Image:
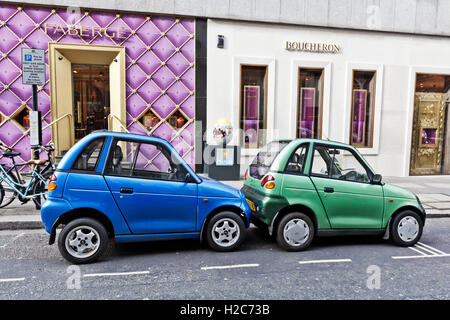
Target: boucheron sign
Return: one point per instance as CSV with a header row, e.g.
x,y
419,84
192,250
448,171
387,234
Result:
x,y
312,47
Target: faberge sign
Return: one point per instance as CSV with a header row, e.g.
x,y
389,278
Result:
x,y
86,31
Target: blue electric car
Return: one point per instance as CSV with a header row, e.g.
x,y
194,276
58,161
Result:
x,y
130,188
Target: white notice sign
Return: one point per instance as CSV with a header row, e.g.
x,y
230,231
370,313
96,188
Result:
x,y
33,66
34,128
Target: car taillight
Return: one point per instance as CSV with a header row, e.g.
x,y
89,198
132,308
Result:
x,y
52,183
245,174
268,182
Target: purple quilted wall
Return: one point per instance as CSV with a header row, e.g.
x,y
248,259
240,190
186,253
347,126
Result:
x,y
159,69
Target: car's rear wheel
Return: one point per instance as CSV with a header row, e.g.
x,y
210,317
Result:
x,y
225,231
295,232
406,228
83,240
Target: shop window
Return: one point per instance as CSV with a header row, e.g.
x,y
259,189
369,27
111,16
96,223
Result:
x,y
149,120
177,120
431,129
310,100
253,105
23,118
363,104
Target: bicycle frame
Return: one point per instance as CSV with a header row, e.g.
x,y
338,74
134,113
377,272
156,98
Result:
x,y
35,174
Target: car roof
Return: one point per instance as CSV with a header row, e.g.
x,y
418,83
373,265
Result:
x,y
124,135
68,159
323,141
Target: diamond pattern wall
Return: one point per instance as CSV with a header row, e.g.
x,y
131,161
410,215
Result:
x,y
159,69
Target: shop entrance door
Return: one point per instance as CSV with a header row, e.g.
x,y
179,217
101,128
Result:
x,y
90,98
87,91
429,149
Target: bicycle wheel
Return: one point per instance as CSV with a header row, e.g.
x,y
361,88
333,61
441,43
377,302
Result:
x,y
7,194
41,187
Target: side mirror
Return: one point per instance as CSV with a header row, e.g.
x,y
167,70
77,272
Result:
x,y
376,179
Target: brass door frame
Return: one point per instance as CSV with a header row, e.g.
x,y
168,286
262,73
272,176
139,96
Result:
x,y
61,58
420,122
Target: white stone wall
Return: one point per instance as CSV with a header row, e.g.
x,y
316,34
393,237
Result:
x,y
396,57
410,16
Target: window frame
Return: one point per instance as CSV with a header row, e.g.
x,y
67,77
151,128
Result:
x,y
133,164
372,102
94,171
321,103
241,112
357,156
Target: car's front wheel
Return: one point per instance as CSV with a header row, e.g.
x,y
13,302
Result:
x,y
225,231
83,240
295,232
406,228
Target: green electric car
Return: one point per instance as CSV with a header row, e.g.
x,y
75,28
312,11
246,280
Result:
x,y
302,188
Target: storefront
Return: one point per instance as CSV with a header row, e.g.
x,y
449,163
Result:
x,y
105,70
385,93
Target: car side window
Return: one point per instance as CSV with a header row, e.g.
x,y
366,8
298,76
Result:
x,y
144,160
347,167
320,162
338,163
88,158
296,161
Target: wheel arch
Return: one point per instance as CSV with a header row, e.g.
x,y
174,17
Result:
x,y
217,210
411,208
82,213
289,209
421,214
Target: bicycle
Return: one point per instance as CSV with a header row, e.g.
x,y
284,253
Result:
x,y
15,184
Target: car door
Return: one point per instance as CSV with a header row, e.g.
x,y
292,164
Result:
x,y
150,189
343,183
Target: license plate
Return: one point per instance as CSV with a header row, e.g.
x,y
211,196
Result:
x,y
251,204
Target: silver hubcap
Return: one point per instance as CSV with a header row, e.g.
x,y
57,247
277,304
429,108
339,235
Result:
x,y
296,232
225,232
408,228
82,242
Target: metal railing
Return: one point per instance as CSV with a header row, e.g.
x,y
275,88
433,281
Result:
x,y
59,119
114,117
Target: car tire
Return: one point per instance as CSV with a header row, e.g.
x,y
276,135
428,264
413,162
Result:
x,y
84,234
303,232
406,228
225,231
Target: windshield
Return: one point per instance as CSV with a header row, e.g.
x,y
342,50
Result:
x,y
264,159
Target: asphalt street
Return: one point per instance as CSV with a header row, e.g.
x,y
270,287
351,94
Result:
x,y
333,268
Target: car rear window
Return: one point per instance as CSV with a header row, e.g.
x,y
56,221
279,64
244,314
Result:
x,y
264,159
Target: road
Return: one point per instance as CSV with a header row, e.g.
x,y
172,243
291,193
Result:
x,y
333,268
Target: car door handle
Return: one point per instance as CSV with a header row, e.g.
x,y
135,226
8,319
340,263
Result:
x,y
126,190
328,190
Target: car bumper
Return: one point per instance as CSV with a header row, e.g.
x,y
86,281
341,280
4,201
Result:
x,y
421,208
266,206
51,210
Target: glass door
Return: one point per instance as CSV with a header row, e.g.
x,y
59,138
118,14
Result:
x,y
91,101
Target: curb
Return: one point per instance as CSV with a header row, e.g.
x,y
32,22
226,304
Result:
x,y
36,223
21,222
21,225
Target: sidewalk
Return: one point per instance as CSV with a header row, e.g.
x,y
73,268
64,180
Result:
x,y
433,191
